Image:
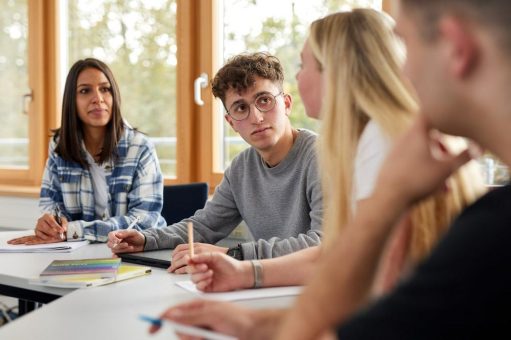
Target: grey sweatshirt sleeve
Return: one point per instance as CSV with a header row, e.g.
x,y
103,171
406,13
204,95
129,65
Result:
x,y
211,224
275,247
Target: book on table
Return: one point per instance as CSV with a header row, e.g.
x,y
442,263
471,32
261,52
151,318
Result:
x,y
87,273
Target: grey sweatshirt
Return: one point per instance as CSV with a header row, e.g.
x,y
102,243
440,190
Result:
x,y
282,206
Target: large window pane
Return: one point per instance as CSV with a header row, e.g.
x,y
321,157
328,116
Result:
x,y
137,39
14,84
279,27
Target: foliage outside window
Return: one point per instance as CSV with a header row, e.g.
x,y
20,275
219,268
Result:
x,y
250,26
14,84
137,39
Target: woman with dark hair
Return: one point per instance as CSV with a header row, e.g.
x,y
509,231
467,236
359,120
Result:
x,y
101,174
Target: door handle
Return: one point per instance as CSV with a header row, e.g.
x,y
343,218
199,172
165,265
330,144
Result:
x,y
25,100
200,83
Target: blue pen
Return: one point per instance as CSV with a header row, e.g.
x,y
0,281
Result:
x,y
154,321
190,330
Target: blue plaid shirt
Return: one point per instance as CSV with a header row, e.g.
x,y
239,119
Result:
x,y
135,189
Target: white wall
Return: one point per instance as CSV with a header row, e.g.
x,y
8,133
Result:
x,y
18,213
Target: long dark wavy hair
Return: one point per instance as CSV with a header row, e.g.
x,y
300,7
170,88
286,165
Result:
x,y
69,136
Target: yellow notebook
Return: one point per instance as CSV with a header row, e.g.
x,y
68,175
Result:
x,y
125,271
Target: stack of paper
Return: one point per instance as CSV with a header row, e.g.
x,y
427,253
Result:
x,y
243,294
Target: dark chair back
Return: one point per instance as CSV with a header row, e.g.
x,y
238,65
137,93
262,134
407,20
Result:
x,y
182,200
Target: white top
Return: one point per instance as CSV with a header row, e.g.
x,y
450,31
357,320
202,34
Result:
x,y
372,149
100,187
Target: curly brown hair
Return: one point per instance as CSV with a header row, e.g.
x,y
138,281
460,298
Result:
x,y
239,72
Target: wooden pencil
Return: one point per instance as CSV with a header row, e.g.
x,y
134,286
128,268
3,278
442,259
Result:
x,y
190,239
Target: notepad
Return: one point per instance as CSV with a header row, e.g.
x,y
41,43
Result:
x,y
243,294
59,247
124,272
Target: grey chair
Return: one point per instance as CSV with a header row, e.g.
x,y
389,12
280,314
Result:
x,y
182,200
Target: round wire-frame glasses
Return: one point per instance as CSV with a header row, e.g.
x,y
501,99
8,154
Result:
x,y
263,102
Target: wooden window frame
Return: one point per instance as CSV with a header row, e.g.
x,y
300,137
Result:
x,y
43,77
196,149
208,62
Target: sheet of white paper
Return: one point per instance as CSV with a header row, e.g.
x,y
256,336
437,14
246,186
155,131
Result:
x,y
60,247
243,294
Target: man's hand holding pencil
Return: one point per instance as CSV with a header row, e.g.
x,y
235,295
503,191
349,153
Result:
x,y
184,252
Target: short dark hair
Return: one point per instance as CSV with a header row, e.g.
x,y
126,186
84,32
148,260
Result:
x,y
239,72
494,14
69,136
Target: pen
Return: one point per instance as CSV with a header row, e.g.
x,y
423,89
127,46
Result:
x,y
189,330
131,225
57,215
190,239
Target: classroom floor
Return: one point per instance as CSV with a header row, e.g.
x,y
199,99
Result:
x,y
7,304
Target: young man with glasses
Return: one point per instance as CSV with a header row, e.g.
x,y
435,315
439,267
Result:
x,y
273,186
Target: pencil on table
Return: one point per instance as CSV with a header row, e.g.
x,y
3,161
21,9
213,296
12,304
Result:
x,y
190,239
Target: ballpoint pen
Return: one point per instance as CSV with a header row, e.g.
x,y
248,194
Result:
x,y
133,223
58,219
189,330
130,226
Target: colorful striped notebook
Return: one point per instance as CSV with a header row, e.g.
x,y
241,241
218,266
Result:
x,y
87,268
125,272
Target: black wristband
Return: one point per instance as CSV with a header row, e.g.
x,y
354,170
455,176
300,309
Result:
x,y
236,252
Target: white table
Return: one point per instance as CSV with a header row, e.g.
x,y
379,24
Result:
x,y
105,312
17,268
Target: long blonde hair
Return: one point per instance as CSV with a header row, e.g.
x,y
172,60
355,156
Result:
x,y
361,60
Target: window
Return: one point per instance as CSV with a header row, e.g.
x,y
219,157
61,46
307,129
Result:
x,y
26,92
249,26
156,49
137,39
14,86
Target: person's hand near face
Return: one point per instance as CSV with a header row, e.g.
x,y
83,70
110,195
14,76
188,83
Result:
x,y
419,153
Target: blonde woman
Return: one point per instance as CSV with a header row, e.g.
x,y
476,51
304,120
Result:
x,y
350,77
